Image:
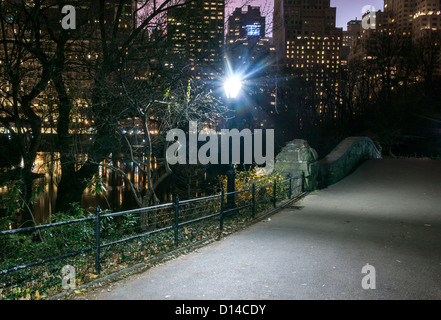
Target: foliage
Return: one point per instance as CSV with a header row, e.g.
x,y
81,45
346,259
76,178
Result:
x,y
247,177
14,203
96,185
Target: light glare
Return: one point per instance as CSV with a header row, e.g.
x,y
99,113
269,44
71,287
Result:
x,y
232,87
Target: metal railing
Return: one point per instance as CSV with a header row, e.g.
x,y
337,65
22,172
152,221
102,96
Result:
x,y
113,240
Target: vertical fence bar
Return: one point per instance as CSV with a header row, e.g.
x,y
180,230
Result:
x,y
274,193
303,182
97,239
253,193
176,225
221,220
290,187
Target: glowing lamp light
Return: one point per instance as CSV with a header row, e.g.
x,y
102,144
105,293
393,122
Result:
x,y
232,87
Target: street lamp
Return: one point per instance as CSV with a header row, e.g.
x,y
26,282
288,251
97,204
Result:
x,y
232,86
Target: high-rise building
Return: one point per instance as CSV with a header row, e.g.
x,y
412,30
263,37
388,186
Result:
x,y
205,36
426,20
244,24
352,32
80,54
400,13
402,21
177,30
365,42
426,35
196,31
308,44
246,42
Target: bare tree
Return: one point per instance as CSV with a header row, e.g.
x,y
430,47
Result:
x,y
132,78
27,65
110,30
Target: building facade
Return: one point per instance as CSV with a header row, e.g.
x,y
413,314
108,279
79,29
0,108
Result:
x,y
403,22
308,45
246,42
426,20
196,32
205,38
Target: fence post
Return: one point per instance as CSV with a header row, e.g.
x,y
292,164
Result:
x,y
274,193
176,220
303,181
254,200
290,187
97,239
221,220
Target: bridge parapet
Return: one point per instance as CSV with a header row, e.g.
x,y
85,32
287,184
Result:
x,y
345,156
298,157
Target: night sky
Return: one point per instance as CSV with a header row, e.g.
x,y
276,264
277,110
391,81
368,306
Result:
x,y
351,9
346,9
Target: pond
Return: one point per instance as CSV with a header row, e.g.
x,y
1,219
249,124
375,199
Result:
x,y
116,194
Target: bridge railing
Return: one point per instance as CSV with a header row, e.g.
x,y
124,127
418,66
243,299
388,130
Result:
x,y
32,258
344,157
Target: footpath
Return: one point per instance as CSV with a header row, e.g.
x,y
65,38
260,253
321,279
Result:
x,y
387,214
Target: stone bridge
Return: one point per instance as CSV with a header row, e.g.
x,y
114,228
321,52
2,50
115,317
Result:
x,y
297,157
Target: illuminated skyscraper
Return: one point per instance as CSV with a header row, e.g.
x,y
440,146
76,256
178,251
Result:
x,y
246,42
401,14
205,36
308,44
426,19
401,21
244,24
196,32
177,30
352,32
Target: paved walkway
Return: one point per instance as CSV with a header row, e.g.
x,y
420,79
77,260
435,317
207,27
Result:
x,y
387,213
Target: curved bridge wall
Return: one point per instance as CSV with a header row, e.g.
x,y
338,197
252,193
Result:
x,y
347,155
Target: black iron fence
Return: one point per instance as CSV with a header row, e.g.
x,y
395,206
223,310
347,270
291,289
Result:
x,y
31,258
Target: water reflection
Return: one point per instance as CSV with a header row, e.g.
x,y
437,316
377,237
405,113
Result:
x,y
116,193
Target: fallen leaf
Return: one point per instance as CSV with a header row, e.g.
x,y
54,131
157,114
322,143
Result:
x,y
92,276
37,295
77,291
185,230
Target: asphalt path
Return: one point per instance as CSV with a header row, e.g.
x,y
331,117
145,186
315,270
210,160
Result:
x,y
387,214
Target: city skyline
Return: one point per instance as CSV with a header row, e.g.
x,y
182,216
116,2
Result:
x,y
346,9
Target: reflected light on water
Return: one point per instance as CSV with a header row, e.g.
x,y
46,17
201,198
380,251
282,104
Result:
x,y
116,193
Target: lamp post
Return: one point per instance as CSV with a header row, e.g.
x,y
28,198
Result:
x,y
232,86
